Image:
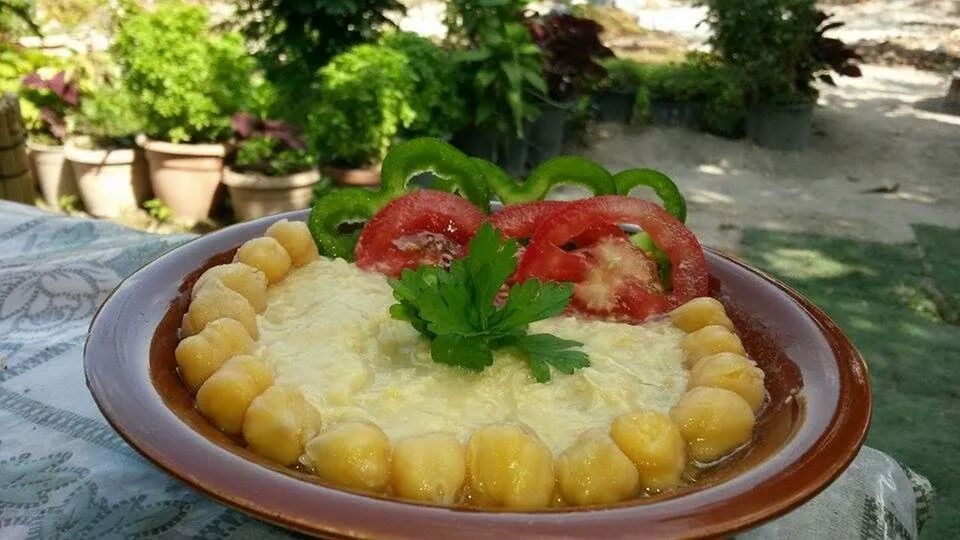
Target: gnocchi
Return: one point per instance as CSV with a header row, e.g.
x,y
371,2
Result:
x,y
430,468
700,312
708,341
352,455
595,471
278,423
244,279
217,301
713,421
200,355
510,467
655,446
732,372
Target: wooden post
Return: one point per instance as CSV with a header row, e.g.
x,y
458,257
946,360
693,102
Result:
x,y
16,183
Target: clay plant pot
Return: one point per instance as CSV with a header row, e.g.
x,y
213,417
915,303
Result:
x,y
786,127
186,177
111,181
615,106
47,166
352,177
255,195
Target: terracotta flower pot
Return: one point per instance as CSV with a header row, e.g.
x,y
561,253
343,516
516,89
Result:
x,y
352,177
186,177
47,166
256,195
110,181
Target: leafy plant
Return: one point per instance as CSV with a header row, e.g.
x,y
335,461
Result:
x,y
456,311
187,81
53,98
270,147
69,204
16,17
572,48
777,46
298,37
500,71
437,105
108,117
623,75
158,210
361,104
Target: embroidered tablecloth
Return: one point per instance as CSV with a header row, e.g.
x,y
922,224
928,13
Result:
x,y
64,473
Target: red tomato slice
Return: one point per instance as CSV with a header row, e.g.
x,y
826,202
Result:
x,y
424,227
613,278
522,220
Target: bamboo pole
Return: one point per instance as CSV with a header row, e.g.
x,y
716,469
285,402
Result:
x,y
16,183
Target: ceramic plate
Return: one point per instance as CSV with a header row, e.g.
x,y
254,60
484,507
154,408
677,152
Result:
x,y
814,424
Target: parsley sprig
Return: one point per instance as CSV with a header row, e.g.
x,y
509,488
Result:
x,y
455,310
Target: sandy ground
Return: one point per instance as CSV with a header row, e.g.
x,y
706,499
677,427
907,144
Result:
x,y
869,134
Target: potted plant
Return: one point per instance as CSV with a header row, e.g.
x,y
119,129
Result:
x,y
46,100
110,169
571,52
272,170
360,106
500,75
374,94
187,82
779,49
616,94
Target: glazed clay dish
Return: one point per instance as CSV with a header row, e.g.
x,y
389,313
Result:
x,y
341,398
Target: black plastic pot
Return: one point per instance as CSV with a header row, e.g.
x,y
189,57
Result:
x,y
546,133
672,113
615,106
508,151
787,127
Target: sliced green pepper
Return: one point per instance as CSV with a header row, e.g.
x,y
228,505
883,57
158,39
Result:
x,y
339,208
455,169
661,184
556,171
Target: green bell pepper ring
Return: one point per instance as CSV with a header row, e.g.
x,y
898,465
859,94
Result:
x,y
661,184
337,208
455,169
556,171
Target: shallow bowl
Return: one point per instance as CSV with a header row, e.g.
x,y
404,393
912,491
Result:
x,y
812,427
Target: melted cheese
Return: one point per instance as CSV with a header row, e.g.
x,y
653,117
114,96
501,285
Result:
x,y
327,330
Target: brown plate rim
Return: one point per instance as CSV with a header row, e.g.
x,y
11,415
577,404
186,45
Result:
x,y
117,377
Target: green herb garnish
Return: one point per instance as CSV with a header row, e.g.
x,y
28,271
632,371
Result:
x,y
455,310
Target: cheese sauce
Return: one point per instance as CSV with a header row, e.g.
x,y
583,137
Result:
x,y
327,330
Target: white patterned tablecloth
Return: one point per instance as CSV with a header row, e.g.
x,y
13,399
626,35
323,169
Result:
x,y
64,473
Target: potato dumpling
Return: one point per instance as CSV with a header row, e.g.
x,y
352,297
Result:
x,y
200,355
217,301
708,341
700,312
653,443
510,467
713,421
226,395
245,279
732,372
429,468
267,255
595,471
278,424
295,237
352,455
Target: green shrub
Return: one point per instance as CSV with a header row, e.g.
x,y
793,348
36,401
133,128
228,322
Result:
x,y
769,42
361,104
271,157
500,66
623,75
108,116
437,105
186,80
298,37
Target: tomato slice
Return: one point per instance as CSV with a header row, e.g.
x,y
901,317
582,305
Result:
x,y
613,278
521,221
424,227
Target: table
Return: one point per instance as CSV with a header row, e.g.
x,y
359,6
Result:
x,y
64,473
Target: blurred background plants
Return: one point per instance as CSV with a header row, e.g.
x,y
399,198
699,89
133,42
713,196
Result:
x,y
188,81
